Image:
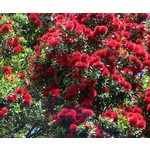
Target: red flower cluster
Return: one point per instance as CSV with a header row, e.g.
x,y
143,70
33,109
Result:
x,y
110,114
11,97
70,119
21,75
27,99
74,116
7,70
137,120
5,28
52,38
14,45
135,117
3,111
72,91
73,127
35,17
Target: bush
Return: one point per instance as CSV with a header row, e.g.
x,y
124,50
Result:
x,y
75,75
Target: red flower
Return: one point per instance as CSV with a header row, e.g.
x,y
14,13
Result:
x,y
148,107
56,92
54,42
94,58
127,34
111,16
83,20
27,99
129,108
4,109
78,54
137,110
123,112
79,29
27,96
96,64
126,85
111,44
128,70
116,24
141,124
148,43
114,115
49,71
73,127
84,57
108,113
99,133
81,65
73,60
87,128
79,118
5,28
69,25
105,71
18,48
12,97
69,97
105,90
7,70
147,63
93,92
21,75
62,112
112,58
71,115
133,120
57,121
90,15
100,15
38,22
142,54
139,41
130,46
118,45
35,77
138,87
87,103
102,53
116,52
135,60
147,99
116,77
2,114
103,29
19,90
16,39
73,90
33,16
147,94
70,135
88,112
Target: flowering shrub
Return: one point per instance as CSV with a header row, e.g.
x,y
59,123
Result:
x,y
75,122
74,75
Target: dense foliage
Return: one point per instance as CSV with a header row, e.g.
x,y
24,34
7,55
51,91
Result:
x,y
74,75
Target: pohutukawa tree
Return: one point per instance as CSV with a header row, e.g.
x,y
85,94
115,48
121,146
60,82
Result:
x,y
74,75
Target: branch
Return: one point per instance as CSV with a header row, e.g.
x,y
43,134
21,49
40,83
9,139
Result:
x,y
28,134
36,133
